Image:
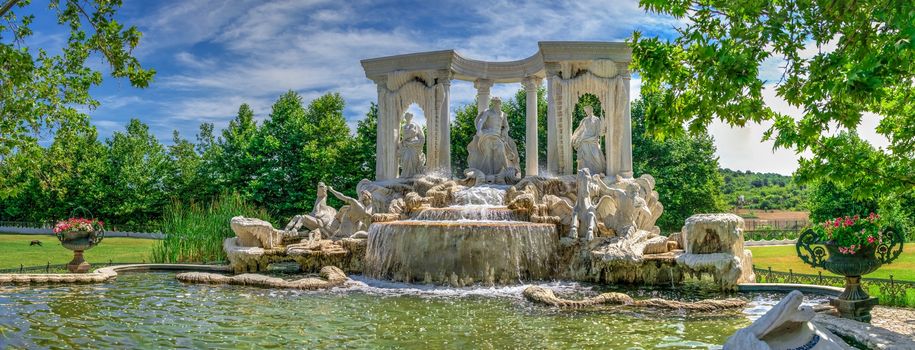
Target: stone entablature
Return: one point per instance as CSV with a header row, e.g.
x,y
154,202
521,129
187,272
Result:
x,y
571,70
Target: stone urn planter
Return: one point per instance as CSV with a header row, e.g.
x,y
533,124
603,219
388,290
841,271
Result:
x,y
79,235
854,302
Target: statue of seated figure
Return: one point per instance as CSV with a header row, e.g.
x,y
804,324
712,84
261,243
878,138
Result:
x,y
492,150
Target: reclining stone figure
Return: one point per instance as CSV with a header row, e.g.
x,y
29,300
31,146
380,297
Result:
x,y
322,217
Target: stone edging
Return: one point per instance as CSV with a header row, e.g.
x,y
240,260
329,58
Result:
x,y
788,287
104,274
765,242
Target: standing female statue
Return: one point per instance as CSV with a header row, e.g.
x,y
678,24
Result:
x,y
586,140
410,152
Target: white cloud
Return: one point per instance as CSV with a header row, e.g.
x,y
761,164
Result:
x,y
257,50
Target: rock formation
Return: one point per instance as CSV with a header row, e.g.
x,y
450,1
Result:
x,y
330,277
546,296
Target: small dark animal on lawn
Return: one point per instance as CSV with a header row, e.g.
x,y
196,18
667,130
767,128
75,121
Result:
x,y
35,242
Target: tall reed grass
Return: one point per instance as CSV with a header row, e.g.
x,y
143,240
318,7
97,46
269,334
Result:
x,y
194,233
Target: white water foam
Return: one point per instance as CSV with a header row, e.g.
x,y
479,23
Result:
x,y
362,284
490,195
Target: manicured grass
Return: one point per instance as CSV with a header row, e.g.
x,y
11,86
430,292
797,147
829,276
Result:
x,y
782,258
15,250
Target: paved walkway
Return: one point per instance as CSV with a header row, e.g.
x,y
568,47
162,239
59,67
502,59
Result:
x,y
899,320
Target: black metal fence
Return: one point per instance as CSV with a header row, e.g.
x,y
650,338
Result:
x,y
767,225
890,291
770,235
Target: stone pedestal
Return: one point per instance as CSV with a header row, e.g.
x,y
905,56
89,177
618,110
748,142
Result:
x,y
79,265
858,310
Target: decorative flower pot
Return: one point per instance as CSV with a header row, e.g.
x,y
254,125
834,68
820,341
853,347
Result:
x,y
854,302
79,241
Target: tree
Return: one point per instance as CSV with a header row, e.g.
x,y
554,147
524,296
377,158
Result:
x,y
828,201
138,167
43,91
685,169
183,182
51,183
710,70
232,163
296,148
363,146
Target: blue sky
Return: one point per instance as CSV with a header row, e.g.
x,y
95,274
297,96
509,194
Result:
x,y
212,56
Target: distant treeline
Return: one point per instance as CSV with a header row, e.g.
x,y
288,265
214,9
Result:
x,y
762,191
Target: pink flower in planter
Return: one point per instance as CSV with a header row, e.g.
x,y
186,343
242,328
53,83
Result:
x,y
871,239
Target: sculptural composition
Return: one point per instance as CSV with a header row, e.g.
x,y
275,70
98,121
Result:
x,y
586,141
356,216
410,150
492,150
321,218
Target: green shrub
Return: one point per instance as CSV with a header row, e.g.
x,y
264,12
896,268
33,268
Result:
x,y
194,232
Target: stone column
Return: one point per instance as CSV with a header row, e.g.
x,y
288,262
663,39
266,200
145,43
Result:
x,y
482,86
531,85
626,125
552,142
386,138
444,156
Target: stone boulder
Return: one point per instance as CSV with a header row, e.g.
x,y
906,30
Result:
x,y
256,233
713,233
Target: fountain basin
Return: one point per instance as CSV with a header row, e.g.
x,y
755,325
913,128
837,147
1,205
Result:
x,y
461,253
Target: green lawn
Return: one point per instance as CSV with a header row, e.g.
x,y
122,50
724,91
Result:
x,y
15,250
782,258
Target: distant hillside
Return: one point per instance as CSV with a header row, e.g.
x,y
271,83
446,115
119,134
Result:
x,y
762,190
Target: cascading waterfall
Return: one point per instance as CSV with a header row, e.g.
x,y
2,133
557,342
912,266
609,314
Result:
x,y
477,240
470,213
488,195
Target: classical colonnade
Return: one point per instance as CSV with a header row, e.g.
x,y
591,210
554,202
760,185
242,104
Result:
x,y
571,69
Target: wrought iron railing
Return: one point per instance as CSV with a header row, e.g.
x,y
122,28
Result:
x,y
771,235
890,291
781,224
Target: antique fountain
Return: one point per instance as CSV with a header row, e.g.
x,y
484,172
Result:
x,y
495,224
571,235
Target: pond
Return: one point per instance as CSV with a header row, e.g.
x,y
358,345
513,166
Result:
x,y
153,310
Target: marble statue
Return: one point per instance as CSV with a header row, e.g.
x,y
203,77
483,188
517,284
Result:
x,y
410,151
586,141
584,219
786,326
356,216
492,150
321,218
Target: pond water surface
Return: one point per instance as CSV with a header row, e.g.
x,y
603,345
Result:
x,y
153,310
